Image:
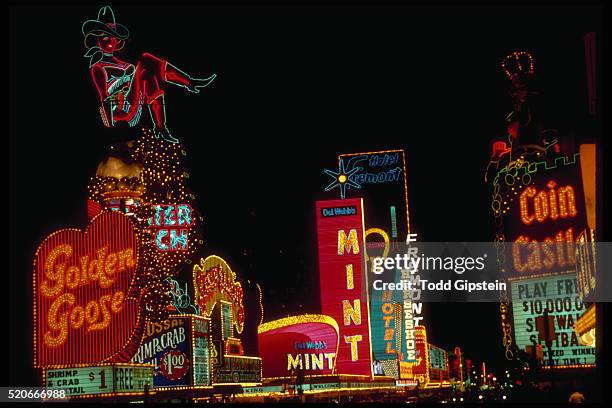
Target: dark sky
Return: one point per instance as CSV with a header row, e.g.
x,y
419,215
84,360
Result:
x,y
296,86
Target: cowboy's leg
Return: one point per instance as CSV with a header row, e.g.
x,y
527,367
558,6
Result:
x,y
155,100
166,72
154,97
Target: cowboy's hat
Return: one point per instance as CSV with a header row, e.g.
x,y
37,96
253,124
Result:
x,y
105,23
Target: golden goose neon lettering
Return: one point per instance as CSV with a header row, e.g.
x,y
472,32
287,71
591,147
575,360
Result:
x,y
100,268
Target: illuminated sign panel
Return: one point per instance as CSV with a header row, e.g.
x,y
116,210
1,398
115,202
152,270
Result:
x,y
559,295
420,369
166,346
439,369
238,369
226,319
382,178
540,207
385,319
171,224
383,183
99,379
305,342
177,348
201,352
82,312
544,220
437,358
386,307
344,294
214,281
585,262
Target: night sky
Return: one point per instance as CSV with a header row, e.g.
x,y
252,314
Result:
x,y
296,86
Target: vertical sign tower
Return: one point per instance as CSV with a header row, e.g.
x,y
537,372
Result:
x,y
343,281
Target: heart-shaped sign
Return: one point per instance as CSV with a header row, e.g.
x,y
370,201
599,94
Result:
x,y
82,313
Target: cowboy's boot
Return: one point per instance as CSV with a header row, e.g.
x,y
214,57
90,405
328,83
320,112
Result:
x,y
177,77
158,115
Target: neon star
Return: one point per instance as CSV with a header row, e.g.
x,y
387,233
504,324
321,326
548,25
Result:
x,y
342,178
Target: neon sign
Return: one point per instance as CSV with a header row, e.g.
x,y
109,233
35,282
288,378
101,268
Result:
x,y
304,342
344,284
178,348
376,161
342,179
545,215
171,224
540,209
124,87
81,281
551,204
420,369
560,297
214,281
553,253
386,313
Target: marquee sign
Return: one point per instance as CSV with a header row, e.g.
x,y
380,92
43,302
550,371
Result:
x,y
540,211
344,294
238,370
82,313
305,342
560,296
99,380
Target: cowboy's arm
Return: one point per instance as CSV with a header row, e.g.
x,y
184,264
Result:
x,y
99,78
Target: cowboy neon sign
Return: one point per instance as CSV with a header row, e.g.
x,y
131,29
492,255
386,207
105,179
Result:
x,y
124,87
171,224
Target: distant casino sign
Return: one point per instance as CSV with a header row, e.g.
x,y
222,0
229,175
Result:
x,y
304,342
